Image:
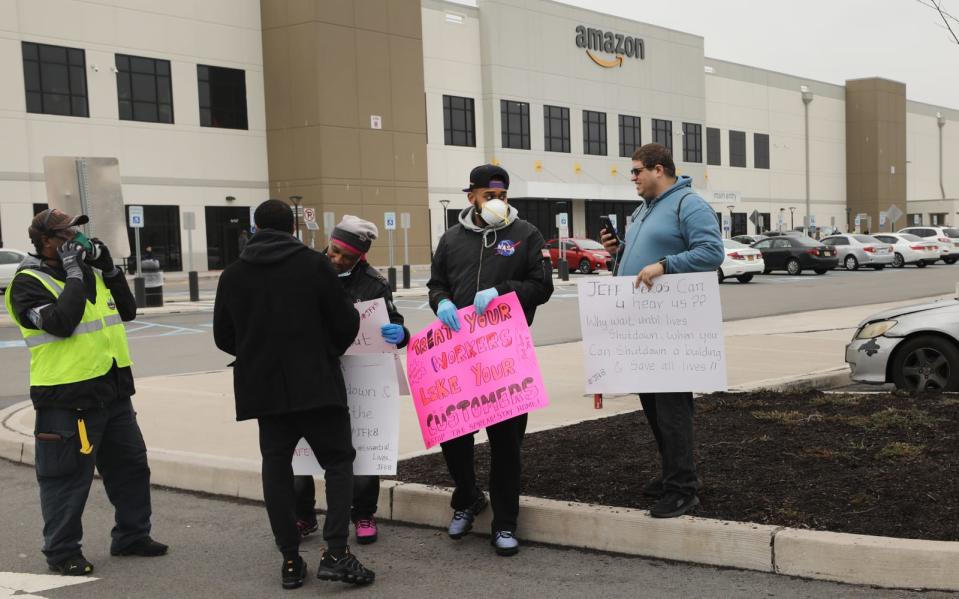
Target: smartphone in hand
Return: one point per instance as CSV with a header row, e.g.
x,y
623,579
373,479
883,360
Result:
x,y
607,224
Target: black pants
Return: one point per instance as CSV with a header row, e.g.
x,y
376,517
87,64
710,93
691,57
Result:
x,y
327,431
366,491
505,441
65,475
670,416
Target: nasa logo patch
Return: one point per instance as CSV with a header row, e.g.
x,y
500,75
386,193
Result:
x,y
507,247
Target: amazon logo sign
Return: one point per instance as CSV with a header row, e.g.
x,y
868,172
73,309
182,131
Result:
x,y
617,44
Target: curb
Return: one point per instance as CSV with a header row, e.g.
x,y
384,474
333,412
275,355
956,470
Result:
x,y
838,557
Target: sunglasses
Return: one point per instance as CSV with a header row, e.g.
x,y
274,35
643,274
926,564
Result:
x,y
635,171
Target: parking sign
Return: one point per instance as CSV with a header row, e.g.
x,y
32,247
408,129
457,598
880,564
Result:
x,y
136,217
389,219
309,215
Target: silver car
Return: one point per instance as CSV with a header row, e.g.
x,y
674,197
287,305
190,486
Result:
x,y
855,250
914,347
909,249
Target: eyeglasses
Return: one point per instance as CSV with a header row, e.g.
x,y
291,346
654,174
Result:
x,y
635,171
489,195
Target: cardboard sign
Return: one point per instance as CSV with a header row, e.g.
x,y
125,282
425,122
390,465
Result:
x,y
369,340
665,339
467,380
373,395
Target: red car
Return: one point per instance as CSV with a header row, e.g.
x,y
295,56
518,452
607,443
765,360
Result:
x,y
583,255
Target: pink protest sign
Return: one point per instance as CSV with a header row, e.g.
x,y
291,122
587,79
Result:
x,y
467,380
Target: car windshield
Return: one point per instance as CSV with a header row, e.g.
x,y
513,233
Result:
x,y
954,233
866,239
806,241
732,244
589,244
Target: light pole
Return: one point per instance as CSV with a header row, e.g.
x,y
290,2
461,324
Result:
x,y
941,121
296,212
782,218
806,99
730,208
446,220
792,220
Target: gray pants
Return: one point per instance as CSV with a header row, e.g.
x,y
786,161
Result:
x,y
65,475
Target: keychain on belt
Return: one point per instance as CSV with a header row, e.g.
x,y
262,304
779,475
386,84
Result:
x,y
85,447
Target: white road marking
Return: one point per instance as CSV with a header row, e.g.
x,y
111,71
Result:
x,y
16,584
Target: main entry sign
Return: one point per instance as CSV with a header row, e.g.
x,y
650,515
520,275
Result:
x,y
607,42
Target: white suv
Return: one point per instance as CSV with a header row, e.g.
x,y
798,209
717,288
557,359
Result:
x,y
946,237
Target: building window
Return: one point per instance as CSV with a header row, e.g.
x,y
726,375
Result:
x,y
737,148
692,142
144,89
594,133
515,124
760,150
459,121
663,133
55,79
222,97
713,147
556,128
630,137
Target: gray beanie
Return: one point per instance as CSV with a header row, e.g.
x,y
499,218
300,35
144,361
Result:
x,y
355,234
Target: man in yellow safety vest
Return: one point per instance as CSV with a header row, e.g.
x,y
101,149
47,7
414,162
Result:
x,y
70,301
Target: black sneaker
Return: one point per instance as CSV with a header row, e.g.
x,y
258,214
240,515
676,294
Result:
x,y
343,566
654,488
73,566
673,504
293,572
145,547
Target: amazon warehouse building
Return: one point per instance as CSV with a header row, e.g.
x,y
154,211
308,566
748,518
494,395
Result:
x,y
379,107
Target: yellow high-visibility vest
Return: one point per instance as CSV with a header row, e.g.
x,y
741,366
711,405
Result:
x,y
89,352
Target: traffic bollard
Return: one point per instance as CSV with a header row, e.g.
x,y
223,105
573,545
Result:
x,y
391,277
406,276
194,286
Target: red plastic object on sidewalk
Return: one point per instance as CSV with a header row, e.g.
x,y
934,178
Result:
x,y
598,401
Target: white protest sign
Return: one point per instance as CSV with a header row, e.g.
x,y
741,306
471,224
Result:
x,y
373,395
369,340
665,339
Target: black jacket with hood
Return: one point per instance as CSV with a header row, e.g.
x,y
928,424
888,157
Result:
x,y
281,310
508,257
365,283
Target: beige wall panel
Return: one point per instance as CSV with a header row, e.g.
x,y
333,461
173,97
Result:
x,y
335,12
374,89
376,155
336,66
372,15
406,76
304,85
378,198
297,11
410,157
339,155
405,18
276,78
408,197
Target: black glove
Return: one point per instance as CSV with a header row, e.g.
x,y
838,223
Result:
x,y
71,255
103,260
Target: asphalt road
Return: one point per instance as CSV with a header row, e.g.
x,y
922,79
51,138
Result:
x,y
179,343
221,548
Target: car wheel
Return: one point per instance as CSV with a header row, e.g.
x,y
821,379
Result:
x,y
950,260
850,262
766,271
921,264
745,278
584,267
793,267
878,266
926,363
722,277
898,261
820,271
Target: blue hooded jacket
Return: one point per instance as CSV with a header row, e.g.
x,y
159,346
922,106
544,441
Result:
x,y
690,241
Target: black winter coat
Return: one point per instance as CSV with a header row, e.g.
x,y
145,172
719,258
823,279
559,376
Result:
x,y
463,265
281,310
366,283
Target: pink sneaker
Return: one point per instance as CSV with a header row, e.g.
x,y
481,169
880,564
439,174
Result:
x,y
307,526
366,531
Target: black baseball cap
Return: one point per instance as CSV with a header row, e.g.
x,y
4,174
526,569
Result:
x,y
481,176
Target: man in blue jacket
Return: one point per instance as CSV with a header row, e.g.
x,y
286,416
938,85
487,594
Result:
x,y
673,231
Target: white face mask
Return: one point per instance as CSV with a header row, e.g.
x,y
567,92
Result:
x,y
495,212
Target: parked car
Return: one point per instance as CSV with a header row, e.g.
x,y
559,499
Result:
x,y
742,262
793,253
914,347
584,255
10,259
854,251
749,239
910,249
947,238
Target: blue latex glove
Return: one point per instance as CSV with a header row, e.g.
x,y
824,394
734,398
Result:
x,y
483,298
393,333
447,314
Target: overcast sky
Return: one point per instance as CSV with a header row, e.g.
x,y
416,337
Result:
x,y
828,40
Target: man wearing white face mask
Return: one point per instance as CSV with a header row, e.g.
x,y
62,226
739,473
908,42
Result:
x,y
490,252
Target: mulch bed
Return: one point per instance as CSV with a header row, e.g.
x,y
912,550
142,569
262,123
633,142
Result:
x,y
876,464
